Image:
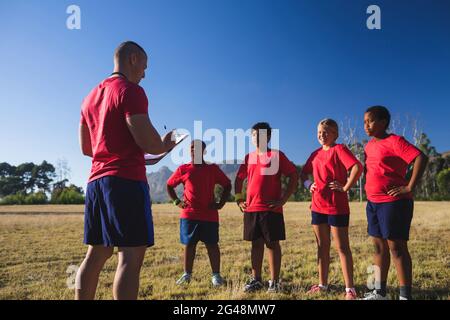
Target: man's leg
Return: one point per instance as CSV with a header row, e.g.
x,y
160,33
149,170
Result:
x,y
214,256
87,276
126,280
189,256
274,259
257,257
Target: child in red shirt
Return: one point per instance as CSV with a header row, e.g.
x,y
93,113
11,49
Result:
x,y
390,200
199,219
263,206
329,165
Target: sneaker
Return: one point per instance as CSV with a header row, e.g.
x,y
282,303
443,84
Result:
x,y
253,285
374,296
217,280
274,286
317,289
403,298
184,279
351,294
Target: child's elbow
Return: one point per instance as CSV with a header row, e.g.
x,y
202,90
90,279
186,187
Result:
x,y
359,167
424,159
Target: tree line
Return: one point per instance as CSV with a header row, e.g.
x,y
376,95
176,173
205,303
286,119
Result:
x,y
30,183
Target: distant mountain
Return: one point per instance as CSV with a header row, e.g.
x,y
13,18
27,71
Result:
x,y
157,181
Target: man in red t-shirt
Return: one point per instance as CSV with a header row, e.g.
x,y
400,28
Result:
x,y
199,219
115,131
263,206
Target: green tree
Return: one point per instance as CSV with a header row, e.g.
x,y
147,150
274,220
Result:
x,y
10,183
443,182
67,195
43,176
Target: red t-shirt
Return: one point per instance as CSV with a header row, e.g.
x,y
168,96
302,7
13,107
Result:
x,y
104,110
387,161
327,166
199,182
263,173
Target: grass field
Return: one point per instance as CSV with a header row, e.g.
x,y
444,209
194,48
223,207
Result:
x,y
39,243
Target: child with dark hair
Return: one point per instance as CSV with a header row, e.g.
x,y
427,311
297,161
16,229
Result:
x,y
390,199
263,205
199,219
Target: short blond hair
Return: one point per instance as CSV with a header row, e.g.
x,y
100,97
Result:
x,y
330,123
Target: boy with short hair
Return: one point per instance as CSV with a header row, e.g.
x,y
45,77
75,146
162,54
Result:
x,y
199,219
390,199
263,206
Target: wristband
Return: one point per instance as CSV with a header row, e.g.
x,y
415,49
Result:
x,y
238,196
176,202
307,184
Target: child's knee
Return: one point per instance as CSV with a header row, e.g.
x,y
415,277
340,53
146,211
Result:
x,y
258,244
100,255
380,248
323,245
272,245
398,250
212,246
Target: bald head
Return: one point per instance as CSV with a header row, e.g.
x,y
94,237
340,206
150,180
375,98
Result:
x,y
130,59
126,49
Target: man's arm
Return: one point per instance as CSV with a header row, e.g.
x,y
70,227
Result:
x,y
85,140
146,136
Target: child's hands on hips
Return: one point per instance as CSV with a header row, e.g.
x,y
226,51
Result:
x,y
397,191
242,205
336,186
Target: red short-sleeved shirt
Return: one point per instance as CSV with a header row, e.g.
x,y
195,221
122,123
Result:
x,y
199,182
104,112
387,161
263,173
327,166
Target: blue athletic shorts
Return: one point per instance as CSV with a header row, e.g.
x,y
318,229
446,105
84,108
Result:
x,y
335,220
193,231
118,213
390,220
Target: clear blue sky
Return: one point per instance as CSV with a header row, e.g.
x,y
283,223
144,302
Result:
x,y
228,63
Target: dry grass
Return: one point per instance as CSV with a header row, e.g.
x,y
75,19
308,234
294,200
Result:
x,y
39,243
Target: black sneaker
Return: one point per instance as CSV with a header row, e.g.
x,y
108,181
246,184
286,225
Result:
x,y
253,285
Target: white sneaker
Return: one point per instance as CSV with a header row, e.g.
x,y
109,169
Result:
x,y
217,280
184,279
274,286
403,298
374,296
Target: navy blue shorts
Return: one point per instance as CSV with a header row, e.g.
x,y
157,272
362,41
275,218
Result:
x,y
335,220
390,220
193,231
118,213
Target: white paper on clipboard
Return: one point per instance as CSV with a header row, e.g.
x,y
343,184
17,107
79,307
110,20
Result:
x,y
151,159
